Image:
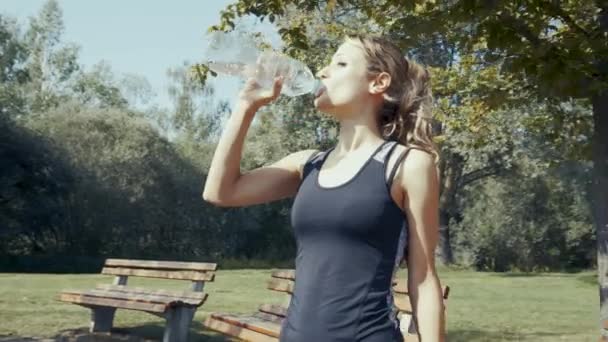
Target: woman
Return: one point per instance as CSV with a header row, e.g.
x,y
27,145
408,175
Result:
x,y
349,206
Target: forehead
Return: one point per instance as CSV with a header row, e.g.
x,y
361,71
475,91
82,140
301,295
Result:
x,y
351,49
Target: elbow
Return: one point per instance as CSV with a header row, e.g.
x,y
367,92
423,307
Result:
x,y
220,195
208,198
216,200
212,198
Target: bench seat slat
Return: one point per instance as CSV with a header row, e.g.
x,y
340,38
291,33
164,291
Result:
x,y
141,290
161,265
181,275
243,334
269,317
273,309
116,303
402,302
252,323
143,298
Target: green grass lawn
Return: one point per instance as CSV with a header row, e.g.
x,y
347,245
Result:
x,y
481,307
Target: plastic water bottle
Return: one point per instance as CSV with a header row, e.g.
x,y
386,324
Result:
x,y
237,55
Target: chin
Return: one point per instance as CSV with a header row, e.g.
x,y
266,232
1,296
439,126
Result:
x,y
323,104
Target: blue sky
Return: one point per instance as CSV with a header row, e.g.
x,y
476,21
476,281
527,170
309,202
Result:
x,y
135,36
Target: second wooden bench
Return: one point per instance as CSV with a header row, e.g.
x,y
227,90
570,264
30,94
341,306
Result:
x,y
265,324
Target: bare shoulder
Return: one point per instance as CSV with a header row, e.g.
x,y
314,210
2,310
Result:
x,y
418,161
418,171
295,161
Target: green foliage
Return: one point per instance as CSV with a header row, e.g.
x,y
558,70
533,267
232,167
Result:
x,y
12,73
50,63
527,223
33,179
87,173
97,88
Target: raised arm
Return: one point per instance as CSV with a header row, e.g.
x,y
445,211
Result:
x,y
226,186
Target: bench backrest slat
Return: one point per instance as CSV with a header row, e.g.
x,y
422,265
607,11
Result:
x,y
281,285
165,274
400,288
284,274
284,281
161,265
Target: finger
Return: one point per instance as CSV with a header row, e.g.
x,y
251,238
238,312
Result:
x,y
277,86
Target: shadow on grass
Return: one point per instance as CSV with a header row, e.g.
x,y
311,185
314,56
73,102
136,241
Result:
x,y
534,274
8,338
139,333
154,332
198,333
589,279
458,335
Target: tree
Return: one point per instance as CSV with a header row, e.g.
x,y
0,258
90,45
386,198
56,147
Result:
x,y
12,73
34,179
97,88
559,47
474,144
50,64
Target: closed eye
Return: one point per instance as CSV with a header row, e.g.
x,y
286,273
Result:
x,y
341,64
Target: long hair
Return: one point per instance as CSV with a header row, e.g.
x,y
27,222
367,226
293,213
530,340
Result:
x,y
406,115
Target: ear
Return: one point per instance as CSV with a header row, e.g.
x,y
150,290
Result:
x,y
380,84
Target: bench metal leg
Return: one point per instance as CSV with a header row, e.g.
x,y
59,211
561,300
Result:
x,y
178,324
102,319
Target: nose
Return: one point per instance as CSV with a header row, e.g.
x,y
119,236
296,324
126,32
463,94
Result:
x,y
322,74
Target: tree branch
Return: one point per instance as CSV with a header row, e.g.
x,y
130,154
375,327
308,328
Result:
x,y
559,12
521,28
476,175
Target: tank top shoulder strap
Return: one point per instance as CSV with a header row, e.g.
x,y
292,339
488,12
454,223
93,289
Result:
x,y
383,156
314,159
398,162
384,152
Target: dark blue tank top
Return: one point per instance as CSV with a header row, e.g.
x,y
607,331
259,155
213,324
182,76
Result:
x,y
349,238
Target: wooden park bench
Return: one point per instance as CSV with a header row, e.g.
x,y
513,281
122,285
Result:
x,y
177,307
265,324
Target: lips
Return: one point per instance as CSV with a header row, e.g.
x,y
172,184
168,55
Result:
x,y
319,91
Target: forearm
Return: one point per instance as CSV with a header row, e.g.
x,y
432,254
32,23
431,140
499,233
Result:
x,y
429,311
225,168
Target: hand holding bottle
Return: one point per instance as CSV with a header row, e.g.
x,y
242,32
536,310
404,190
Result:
x,y
256,96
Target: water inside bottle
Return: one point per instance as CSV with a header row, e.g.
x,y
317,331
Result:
x,y
233,54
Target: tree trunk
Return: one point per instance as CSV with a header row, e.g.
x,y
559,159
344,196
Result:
x,y
451,171
600,181
445,244
600,200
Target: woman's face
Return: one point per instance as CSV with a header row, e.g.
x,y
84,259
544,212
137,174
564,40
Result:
x,y
345,81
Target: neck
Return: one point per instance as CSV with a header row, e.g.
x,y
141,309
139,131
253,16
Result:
x,y
356,132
